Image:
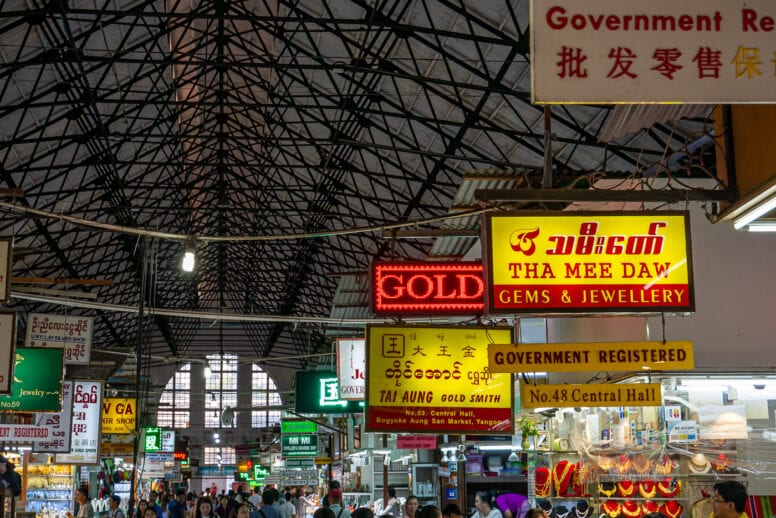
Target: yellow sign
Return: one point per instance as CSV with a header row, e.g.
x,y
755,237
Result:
x,y
118,415
593,356
116,448
321,461
589,262
437,379
630,394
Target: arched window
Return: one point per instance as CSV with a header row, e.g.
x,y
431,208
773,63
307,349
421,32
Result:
x,y
220,389
264,393
175,403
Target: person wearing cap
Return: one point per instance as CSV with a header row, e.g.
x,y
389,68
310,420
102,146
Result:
x,y
336,505
729,500
115,511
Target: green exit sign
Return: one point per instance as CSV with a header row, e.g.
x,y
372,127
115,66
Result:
x,y
153,439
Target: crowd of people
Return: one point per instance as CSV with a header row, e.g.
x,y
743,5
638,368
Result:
x,y
729,499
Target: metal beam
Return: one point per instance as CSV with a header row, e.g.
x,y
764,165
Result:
x,y
601,195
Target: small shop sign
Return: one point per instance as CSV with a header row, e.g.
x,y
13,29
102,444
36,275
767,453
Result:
x,y
85,426
591,356
37,385
416,442
298,426
589,262
431,378
604,51
317,392
299,445
118,415
351,368
427,288
59,422
593,395
68,332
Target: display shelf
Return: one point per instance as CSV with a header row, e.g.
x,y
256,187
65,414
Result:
x,y
485,480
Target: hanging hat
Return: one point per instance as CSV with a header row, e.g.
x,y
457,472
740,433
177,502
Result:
x,y
699,463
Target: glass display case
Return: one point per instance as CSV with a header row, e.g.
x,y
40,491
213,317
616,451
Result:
x,y
49,489
424,480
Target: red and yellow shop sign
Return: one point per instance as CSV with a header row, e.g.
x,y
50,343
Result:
x,y
589,262
591,356
435,379
566,396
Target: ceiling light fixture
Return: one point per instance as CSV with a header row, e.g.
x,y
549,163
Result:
x,y
189,256
756,210
762,226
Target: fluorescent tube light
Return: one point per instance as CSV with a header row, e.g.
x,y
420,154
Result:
x,y
755,212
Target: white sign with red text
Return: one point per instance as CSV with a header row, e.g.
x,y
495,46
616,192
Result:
x,y
24,433
351,368
85,429
59,423
606,51
71,333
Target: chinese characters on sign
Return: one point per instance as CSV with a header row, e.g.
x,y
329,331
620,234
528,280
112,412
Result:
x,y
423,379
594,262
85,429
152,439
662,51
317,392
351,367
71,333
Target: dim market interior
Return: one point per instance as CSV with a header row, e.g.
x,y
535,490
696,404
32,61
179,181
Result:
x,y
393,259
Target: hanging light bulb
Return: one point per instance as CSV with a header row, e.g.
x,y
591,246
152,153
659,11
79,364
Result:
x,y
189,256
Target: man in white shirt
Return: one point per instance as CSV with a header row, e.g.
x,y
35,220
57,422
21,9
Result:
x,y
255,498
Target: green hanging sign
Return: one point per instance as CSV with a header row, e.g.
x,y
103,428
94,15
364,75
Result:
x,y
152,439
37,381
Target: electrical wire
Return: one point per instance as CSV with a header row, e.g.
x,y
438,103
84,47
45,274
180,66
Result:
x,y
208,238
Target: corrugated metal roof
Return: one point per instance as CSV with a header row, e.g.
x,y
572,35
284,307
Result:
x,y
630,118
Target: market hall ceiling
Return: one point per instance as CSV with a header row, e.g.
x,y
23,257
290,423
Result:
x,y
277,120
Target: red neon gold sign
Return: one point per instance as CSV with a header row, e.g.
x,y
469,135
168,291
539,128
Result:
x,y
427,288
584,262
